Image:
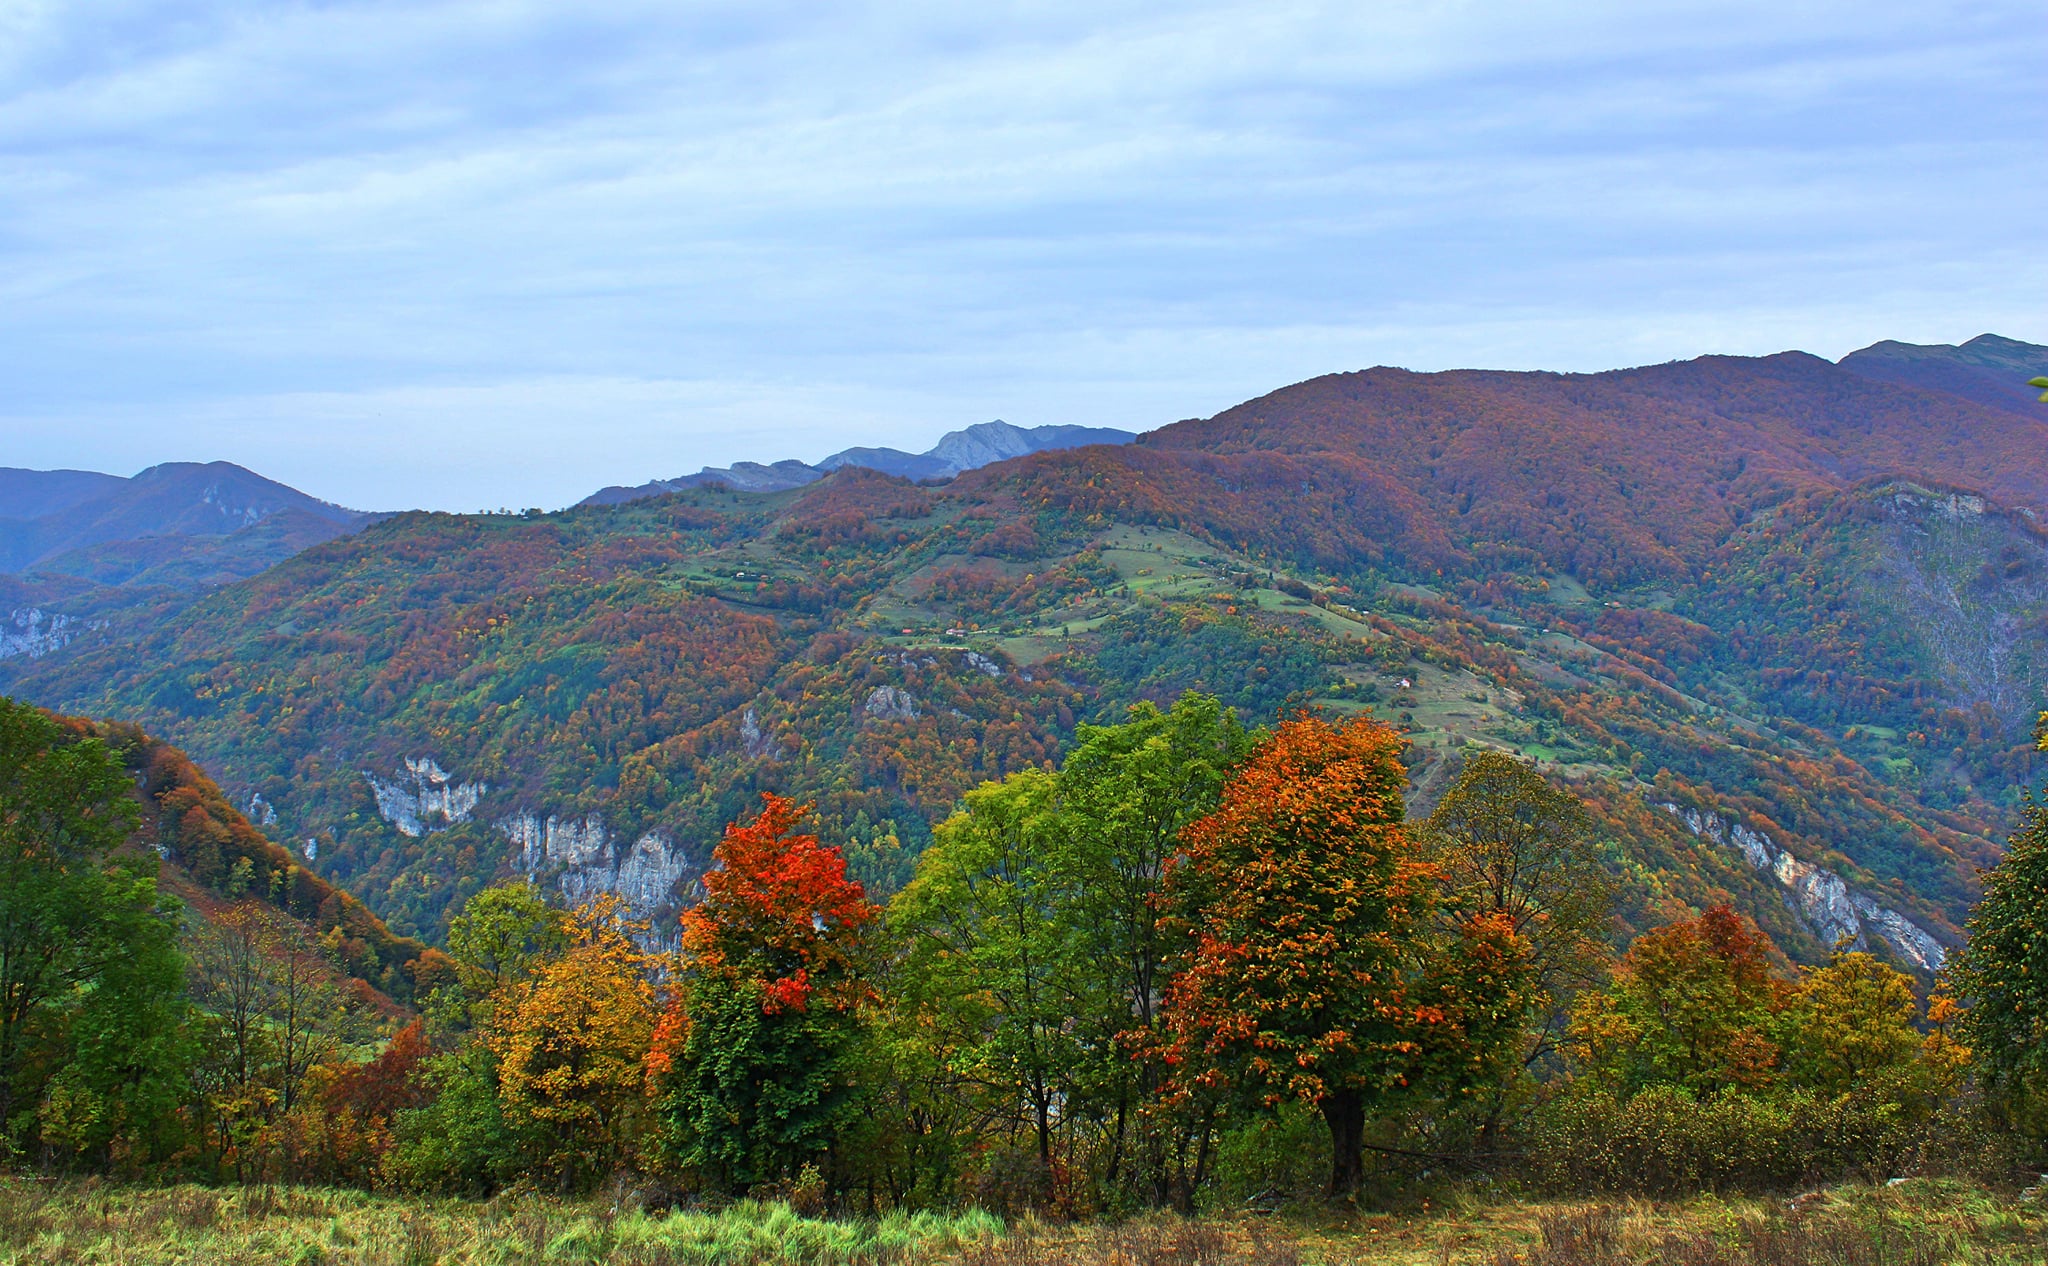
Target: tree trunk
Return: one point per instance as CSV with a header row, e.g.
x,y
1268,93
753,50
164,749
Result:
x,y
1344,1113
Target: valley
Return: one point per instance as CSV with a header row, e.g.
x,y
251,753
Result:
x,y
1848,665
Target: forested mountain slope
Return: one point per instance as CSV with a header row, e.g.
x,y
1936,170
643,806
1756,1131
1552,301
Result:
x,y
212,855
79,550
107,535
1781,623
1618,477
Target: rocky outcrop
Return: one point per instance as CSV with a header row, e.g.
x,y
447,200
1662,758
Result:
x,y
987,443
1831,910
424,797
579,856
584,860
758,745
260,811
34,632
890,703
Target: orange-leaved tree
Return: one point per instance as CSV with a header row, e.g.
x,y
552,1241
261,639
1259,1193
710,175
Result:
x,y
1310,970
343,1133
756,1065
1692,1004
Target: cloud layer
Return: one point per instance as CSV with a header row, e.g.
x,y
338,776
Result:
x,y
477,253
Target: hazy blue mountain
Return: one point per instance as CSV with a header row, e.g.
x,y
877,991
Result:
x,y
31,494
956,452
115,530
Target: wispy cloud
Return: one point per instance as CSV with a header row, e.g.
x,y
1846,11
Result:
x,y
473,253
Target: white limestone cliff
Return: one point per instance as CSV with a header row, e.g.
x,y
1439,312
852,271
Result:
x,y
579,856
1832,910
34,632
757,743
424,797
260,811
584,859
890,703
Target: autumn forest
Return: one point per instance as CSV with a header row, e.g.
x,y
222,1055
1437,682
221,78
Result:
x,y
1399,805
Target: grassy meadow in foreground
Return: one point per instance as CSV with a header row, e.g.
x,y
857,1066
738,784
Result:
x,y
1920,1223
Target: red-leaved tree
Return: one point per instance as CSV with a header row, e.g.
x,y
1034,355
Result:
x,y
755,1064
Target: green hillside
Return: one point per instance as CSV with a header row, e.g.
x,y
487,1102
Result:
x,y
1838,668
880,650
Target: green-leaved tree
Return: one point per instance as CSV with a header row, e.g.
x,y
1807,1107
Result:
x,y
1515,847
89,972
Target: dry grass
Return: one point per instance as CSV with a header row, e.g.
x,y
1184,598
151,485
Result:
x,y
1923,1223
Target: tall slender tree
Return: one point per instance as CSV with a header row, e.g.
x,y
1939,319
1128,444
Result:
x,y
1518,850
2002,973
988,966
1126,793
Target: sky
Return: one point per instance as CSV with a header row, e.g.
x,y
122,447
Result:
x,y
471,254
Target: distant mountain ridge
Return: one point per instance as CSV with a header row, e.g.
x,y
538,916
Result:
x,y
179,523
957,452
31,494
1989,369
1617,477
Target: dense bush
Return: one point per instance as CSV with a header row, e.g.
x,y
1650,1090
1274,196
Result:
x,y
1666,1140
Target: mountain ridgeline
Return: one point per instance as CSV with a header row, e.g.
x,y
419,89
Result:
x,y
982,444
1782,623
181,524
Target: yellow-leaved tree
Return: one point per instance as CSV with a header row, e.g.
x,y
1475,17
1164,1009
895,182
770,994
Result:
x,y
571,1040
1849,1023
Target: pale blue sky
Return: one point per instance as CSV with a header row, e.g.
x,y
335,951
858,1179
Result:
x,y
479,253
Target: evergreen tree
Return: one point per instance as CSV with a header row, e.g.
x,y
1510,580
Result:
x,y
2003,971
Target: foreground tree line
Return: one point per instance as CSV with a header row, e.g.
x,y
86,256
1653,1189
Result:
x,y
1187,967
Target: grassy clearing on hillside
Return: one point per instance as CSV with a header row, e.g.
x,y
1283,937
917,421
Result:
x,y
1922,1223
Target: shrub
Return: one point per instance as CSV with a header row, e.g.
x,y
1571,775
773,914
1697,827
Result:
x,y
1283,1158
1665,1140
